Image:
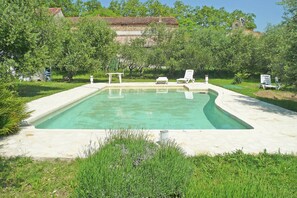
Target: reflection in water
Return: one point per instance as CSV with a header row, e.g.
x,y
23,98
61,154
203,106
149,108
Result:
x,y
115,93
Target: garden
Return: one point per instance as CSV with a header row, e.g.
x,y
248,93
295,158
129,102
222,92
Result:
x,y
128,165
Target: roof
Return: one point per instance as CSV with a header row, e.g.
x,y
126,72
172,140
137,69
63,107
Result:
x,y
54,11
134,20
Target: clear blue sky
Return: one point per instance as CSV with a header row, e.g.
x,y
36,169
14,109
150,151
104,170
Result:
x,y
266,11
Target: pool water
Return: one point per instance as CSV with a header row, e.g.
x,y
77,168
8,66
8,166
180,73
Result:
x,y
143,109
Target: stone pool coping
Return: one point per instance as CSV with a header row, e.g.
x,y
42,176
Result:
x,y
274,128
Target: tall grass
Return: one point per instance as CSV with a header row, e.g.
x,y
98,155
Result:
x,y
130,165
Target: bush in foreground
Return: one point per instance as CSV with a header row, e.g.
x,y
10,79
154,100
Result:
x,y
12,111
130,165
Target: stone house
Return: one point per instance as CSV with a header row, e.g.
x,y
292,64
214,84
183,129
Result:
x,y
128,28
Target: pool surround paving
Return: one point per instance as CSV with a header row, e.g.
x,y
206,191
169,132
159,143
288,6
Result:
x,y
274,128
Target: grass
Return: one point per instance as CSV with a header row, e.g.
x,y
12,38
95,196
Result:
x,y
29,91
228,175
24,177
243,175
285,97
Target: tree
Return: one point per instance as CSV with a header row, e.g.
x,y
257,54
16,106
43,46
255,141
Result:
x,y
69,7
157,36
133,55
92,5
126,8
88,46
116,7
134,8
242,52
76,55
291,38
94,8
102,12
155,8
25,36
181,10
210,17
174,50
273,51
101,38
280,46
192,18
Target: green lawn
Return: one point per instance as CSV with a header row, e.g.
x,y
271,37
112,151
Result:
x,y
284,97
24,177
229,175
29,91
243,175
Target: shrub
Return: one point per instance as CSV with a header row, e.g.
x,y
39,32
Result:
x,y
12,111
239,77
130,165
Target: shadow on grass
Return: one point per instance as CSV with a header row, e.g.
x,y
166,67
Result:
x,y
287,104
270,105
253,87
82,80
31,90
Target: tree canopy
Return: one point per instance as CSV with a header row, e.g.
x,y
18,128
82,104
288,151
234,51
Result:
x,y
31,39
188,16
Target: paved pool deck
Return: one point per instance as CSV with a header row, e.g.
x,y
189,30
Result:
x,y
274,128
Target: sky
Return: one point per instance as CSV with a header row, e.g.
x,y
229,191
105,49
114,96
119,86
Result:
x,y
266,11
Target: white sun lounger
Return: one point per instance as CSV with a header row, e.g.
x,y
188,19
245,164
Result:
x,y
187,78
266,82
162,80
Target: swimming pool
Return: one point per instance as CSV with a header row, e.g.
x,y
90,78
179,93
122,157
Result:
x,y
142,108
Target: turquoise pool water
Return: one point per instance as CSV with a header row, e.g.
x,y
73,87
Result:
x,y
143,109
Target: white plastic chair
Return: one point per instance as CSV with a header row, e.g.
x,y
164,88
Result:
x,y
187,78
266,82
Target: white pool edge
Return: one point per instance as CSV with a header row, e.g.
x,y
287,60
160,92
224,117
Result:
x,y
275,128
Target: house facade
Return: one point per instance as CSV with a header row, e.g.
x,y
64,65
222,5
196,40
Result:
x,y
126,28
129,28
